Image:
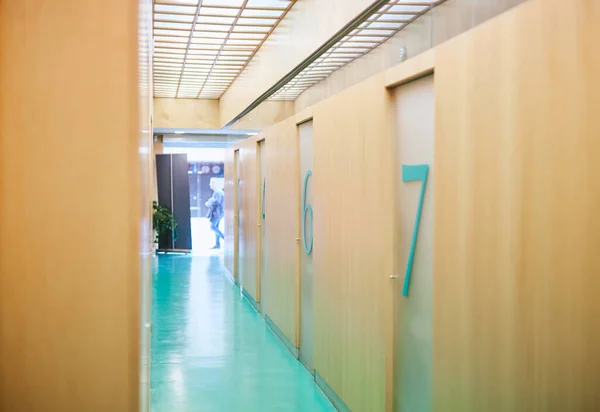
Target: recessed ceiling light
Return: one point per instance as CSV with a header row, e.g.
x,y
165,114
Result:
x,y
179,132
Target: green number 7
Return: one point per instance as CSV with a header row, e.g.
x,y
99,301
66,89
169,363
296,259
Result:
x,y
410,174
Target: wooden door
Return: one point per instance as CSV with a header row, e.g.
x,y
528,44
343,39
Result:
x,y
413,282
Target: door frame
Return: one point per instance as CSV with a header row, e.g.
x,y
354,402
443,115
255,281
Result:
x,y
300,177
236,215
260,147
400,262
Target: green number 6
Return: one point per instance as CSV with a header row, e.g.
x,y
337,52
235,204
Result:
x,y
410,174
307,211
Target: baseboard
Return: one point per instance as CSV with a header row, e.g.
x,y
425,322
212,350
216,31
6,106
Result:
x,y
286,342
250,299
175,251
230,276
304,363
339,404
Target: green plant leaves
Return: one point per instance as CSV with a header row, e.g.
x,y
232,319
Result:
x,y
163,221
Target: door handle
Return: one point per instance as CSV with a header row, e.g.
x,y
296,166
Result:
x,y
393,276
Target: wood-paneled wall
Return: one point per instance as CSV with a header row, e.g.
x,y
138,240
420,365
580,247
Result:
x,y
148,193
353,240
205,114
517,226
265,115
352,300
230,216
282,208
248,217
74,149
186,113
260,257
515,220
353,235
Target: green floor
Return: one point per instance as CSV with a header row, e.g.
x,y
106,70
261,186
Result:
x,y
212,352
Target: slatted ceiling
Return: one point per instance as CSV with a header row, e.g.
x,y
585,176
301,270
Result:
x,y
177,18
242,47
250,29
158,45
170,33
231,4
178,2
170,25
377,28
243,53
395,18
174,9
200,38
271,14
214,14
166,39
258,21
201,47
266,4
201,54
165,68
247,36
215,19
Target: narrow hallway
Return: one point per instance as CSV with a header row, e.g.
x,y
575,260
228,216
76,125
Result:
x,y
212,352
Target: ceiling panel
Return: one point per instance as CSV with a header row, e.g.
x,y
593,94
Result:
x,y
201,47
376,29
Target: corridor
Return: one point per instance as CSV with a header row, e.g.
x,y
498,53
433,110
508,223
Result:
x,y
212,352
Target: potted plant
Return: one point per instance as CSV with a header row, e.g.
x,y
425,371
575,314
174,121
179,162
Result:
x,y
164,225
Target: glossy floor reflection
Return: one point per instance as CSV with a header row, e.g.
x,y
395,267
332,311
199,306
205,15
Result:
x,y
212,352
203,238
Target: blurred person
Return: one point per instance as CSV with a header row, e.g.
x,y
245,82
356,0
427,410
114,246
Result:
x,y
215,212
